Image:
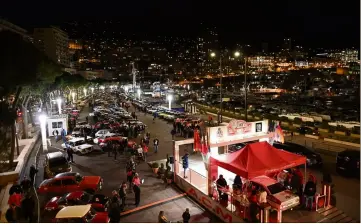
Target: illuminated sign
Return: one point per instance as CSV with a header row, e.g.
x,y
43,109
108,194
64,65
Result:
x,y
238,127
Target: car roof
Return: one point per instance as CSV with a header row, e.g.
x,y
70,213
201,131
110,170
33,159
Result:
x,y
66,174
77,211
54,155
264,180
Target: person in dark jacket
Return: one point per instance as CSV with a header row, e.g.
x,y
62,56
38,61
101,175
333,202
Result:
x,y
27,208
237,182
310,191
33,171
69,151
114,211
26,184
185,163
136,190
221,183
13,214
295,184
123,194
173,133
114,149
186,216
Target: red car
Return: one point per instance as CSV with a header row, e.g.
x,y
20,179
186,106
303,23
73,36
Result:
x,y
97,201
81,214
70,182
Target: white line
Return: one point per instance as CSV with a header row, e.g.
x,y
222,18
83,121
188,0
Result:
x,y
324,219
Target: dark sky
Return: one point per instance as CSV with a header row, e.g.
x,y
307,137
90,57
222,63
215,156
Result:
x,y
311,22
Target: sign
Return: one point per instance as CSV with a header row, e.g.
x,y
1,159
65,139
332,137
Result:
x,y
210,204
237,130
238,127
226,99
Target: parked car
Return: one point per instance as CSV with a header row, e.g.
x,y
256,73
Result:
x,y
86,148
348,163
102,133
70,182
277,195
97,201
55,163
313,159
81,214
74,142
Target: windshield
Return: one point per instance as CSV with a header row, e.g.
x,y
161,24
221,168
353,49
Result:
x,y
85,197
276,188
62,200
59,161
76,129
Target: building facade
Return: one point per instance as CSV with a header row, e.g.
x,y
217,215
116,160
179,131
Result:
x,y
54,43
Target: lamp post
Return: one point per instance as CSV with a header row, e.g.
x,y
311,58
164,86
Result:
x,y
170,98
84,90
59,105
138,93
42,119
213,55
73,96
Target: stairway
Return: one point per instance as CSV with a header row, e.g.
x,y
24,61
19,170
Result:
x,y
333,215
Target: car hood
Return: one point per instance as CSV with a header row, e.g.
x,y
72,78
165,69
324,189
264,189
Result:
x,y
100,217
90,180
53,203
285,196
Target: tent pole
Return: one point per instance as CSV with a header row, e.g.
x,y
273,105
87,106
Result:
x,y
305,177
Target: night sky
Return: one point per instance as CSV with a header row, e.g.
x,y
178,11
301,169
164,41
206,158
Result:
x,y
314,23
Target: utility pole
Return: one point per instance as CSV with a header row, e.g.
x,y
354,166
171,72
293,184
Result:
x,y
245,88
220,89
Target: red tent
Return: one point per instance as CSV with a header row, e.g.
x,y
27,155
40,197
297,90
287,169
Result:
x,y
257,159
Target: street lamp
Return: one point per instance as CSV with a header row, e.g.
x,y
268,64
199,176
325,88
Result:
x,y
73,96
42,119
84,90
59,105
170,98
138,93
213,55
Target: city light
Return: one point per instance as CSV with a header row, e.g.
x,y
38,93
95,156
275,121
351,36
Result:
x,y
126,89
102,87
59,105
92,88
84,90
73,96
42,119
213,54
237,54
170,98
139,93
188,87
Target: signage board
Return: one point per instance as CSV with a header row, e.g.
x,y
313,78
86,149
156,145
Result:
x,y
226,99
237,129
213,206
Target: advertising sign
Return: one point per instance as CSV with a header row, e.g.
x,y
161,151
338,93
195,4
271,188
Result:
x,y
238,127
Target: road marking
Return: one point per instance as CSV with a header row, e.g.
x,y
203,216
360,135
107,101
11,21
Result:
x,y
152,204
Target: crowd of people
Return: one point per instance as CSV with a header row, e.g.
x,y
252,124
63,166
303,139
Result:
x,y
256,197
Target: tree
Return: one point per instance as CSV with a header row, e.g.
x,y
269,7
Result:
x,y
21,65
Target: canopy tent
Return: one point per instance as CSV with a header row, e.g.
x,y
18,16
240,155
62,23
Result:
x,y
256,159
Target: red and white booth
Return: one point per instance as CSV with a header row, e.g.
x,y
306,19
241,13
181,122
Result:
x,y
254,160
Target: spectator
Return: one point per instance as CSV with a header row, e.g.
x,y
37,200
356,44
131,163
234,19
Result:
x,y
310,191
33,171
173,133
162,218
123,194
13,214
136,190
238,182
114,211
186,216
185,163
27,207
69,151
156,144
145,152
221,183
